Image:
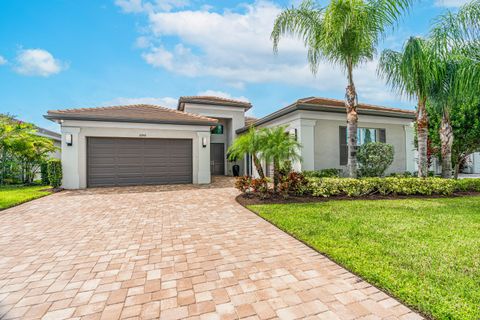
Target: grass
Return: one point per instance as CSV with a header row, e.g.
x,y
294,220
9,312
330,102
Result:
x,y
14,195
426,252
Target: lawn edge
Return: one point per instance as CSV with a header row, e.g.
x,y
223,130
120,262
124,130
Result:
x,y
27,200
413,308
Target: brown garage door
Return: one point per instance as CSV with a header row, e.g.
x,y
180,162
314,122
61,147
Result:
x,y
136,161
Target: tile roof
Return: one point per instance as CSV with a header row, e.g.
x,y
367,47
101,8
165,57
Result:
x,y
331,105
341,103
212,100
250,120
142,113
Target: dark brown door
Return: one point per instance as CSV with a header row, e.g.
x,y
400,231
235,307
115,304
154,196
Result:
x,y
217,158
138,161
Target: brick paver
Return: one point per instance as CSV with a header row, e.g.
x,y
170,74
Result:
x,y
171,253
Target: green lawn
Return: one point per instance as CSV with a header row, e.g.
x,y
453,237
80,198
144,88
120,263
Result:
x,y
426,252
13,195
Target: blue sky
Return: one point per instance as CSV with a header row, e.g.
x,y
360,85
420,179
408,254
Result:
x,y
59,54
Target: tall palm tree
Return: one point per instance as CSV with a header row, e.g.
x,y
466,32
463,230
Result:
x,y
279,147
251,143
344,33
410,73
456,39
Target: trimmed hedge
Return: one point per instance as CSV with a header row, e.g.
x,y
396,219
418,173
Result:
x,y
323,173
54,167
327,187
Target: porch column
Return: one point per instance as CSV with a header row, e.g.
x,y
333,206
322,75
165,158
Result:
x,y
306,136
70,158
203,171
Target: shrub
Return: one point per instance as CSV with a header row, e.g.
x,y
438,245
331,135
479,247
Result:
x,y
293,183
324,173
327,187
468,185
44,173
246,185
374,158
54,168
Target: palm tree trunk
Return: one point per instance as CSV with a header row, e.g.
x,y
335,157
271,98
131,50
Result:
x,y
446,138
352,124
258,167
276,175
422,137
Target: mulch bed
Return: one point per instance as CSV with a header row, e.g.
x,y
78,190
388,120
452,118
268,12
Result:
x,y
247,200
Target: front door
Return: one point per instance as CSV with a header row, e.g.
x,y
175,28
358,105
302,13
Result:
x,y
217,159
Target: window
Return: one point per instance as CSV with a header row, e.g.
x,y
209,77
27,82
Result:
x,y
218,129
364,135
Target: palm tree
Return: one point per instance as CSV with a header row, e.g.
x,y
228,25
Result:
x,y
456,39
344,33
410,73
279,147
251,143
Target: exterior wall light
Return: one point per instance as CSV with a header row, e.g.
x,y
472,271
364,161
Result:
x,y
69,139
204,142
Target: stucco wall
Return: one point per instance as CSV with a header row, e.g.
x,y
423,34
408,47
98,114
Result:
x,y
232,118
327,144
74,158
320,146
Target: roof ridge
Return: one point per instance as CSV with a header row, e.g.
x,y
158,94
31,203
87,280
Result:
x,y
216,97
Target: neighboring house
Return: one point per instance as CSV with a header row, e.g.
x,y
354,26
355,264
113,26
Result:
x,y
54,136
145,144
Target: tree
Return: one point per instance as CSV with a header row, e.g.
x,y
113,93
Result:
x,y
410,73
344,33
465,120
279,147
251,143
456,37
21,150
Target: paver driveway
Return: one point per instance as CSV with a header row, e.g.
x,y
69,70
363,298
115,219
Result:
x,y
168,252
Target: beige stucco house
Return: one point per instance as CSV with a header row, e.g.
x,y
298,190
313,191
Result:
x,y
145,144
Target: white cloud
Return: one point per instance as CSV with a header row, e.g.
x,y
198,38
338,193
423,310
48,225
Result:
x,y
451,3
38,62
130,6
137,6
222,94
163,102
236,48
2,60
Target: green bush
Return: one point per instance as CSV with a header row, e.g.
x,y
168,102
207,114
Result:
x,y
44,173
374,158
54,168
468,185
323,173
327,187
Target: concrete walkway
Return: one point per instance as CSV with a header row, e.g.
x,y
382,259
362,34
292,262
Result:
x,y
170,253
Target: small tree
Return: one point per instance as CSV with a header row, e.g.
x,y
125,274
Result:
x,y
279,148
375,158
55,172
251,143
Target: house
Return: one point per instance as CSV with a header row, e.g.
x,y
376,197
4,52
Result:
x,y
145,144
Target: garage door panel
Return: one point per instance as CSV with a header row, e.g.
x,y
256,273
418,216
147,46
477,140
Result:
x,y
137,161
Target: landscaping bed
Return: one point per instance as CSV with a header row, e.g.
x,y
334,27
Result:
x,y
14,195
423,251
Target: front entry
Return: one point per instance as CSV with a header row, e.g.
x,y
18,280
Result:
x,y
217,159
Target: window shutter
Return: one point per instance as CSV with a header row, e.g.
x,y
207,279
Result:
x,y
343,146
382,135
